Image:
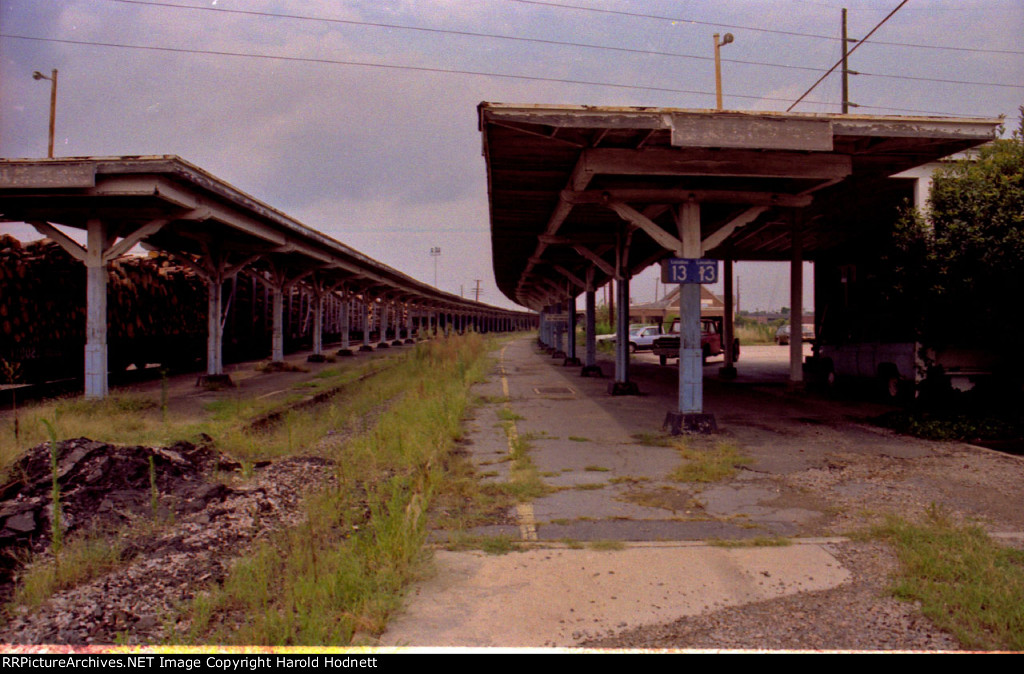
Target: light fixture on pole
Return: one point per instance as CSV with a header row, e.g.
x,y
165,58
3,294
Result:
x,y
435,253
53,103
718,67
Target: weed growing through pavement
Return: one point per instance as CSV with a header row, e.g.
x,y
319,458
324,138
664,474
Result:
x,y
755,542
506,414
606,545
655,439
965,582
342,572
714,464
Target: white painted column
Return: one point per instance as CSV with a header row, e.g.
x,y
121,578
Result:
x,y
691,362
277,331
366,325
796,300
318,322
96,311
622,328
591,309
345,306
214,332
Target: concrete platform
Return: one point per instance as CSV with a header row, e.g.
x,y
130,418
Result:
x,y
617,544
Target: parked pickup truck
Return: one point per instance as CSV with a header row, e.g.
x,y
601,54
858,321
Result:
x,y
667,346
900,368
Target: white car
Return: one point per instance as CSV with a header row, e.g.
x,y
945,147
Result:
x,y
641,338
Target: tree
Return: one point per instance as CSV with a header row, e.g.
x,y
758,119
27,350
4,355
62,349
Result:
x,y
959,267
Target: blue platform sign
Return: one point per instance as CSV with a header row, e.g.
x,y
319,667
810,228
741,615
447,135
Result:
x,y
686,270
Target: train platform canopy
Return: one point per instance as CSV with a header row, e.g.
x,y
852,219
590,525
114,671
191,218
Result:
x,y
573,188
166,203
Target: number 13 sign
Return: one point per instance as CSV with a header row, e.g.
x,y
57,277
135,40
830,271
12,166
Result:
x,y
685,270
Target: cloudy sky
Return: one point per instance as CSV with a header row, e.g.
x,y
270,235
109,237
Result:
x,y
358,117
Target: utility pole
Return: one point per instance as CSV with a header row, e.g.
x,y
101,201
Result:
x,y
718,67
846,70
53,103
477,290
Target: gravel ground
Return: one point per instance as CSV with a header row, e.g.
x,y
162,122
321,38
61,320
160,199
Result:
x,y
858,616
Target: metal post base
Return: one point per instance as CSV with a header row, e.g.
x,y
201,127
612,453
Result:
x,y
366,347
345,352
558,354
572,362
215,382
316,358
383,345
592,371
725,372
678,423
623,388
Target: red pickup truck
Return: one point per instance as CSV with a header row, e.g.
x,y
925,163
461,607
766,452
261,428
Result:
x,y
667,346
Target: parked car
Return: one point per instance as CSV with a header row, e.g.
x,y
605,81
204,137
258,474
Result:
x,y
610,337
667,346
782,334
641,337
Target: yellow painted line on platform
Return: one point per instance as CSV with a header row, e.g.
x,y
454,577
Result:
x,y
524,511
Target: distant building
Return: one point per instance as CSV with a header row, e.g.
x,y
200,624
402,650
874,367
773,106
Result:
x,y
659,311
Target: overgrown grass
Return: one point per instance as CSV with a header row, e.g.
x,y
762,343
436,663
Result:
x,y
655,439
708,465
342,573
492,545
80,559
966,583
755,542
751,334
145,419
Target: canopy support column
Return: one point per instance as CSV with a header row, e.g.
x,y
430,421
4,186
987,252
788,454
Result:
x,y
591,368
622,385
730,345
796,301
689,416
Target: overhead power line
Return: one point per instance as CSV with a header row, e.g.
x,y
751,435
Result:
x,y
846,55
559,5
449,71
559,43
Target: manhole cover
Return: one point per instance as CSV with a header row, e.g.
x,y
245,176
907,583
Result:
x,y
555,392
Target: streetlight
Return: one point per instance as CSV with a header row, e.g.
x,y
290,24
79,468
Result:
x,y
718,67
53,102
435,253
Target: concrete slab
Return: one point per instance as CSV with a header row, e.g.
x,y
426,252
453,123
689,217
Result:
x,y
558,597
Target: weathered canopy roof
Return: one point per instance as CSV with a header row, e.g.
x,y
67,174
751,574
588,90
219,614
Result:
x,y
167,203
563,178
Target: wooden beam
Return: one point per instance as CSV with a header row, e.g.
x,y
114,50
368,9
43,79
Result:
x,y
596,259
741,220
128,242
651,228
569,275
743,131
677,196
703,162
72,247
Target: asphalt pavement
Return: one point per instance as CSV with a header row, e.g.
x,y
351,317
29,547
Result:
x,y
617,543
